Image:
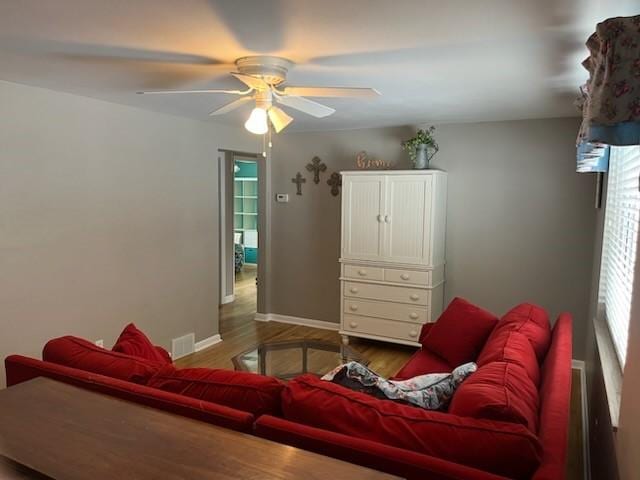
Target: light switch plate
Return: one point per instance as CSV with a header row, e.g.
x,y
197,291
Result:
x,y
282,197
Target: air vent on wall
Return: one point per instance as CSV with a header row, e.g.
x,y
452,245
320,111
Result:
x,y
182,346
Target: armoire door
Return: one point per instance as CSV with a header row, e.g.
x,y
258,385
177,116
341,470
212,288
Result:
x,y
406,219
362,217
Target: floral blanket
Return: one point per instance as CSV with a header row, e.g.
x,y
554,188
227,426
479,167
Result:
x,y
432,391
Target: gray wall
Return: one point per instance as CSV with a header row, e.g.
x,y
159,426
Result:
x,y
520,221
108,215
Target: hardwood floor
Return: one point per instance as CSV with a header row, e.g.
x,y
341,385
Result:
x,y
240,332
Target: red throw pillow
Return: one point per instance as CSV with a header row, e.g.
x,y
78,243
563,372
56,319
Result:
x,y
505,449
84,355
532,322
257,394
460,332
498,391
135,343
506,345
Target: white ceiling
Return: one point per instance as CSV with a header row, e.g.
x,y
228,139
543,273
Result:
x,y
432,60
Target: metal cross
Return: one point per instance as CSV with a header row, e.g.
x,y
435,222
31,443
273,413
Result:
x,y
316,166
299,180
335,181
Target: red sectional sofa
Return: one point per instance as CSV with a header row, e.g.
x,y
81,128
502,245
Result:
x,y
508,420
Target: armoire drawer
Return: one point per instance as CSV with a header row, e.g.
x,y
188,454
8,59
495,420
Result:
x,y
414,296
391,311
381,327
364,273
410,277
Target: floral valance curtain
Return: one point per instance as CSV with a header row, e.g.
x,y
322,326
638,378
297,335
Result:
x,y
611,97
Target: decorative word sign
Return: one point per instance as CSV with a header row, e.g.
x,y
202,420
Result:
x,y
316,166
298,180
335,181
363,162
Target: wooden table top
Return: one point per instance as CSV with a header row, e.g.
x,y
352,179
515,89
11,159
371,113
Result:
x,y
69,433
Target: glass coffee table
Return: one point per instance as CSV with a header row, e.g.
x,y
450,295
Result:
x,y
289,359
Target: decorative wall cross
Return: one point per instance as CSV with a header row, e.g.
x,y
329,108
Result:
x,y
335,181
299,180
316,166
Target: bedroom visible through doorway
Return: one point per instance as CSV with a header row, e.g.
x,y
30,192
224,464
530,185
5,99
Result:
x,y
245,228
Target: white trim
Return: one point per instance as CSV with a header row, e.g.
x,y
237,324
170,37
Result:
x,y
208,342
308,322
580,365
228,299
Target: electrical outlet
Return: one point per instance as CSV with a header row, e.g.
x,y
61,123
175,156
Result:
x,y
100,343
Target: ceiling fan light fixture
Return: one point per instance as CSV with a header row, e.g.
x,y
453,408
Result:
x,y
257,121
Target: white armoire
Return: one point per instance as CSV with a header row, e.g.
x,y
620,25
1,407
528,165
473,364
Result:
x,y
393,256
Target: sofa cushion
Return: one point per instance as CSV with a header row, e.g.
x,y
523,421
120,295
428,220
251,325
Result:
x,y
504,448
532,322
506,345
249,392
460,332
424,331
135,343
84,355
498,391
421,363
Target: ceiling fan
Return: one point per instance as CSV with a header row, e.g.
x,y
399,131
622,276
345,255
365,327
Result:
x,y
264,76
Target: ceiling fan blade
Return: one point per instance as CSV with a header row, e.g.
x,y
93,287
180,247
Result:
x,y
279,119
238,102
251,81
307,106
164,92
332,92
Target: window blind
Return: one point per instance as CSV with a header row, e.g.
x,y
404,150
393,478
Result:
x,y
619,243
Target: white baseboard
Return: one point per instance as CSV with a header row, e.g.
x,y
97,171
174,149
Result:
x,y
208,342
227,299
579,365
307,322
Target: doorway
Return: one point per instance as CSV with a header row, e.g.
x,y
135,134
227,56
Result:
x,y
242,223
245,228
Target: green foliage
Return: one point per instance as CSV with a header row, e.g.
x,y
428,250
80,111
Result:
x,y
423,137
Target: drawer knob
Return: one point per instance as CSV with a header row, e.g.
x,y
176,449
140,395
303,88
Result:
x,y
413,315
414,296
404,276
353,289
353,307
413,333
353,324
362,272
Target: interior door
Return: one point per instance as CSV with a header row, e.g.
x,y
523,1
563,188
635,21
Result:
x,y
406,213
362,227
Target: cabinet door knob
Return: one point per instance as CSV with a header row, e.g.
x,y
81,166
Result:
x,y
413,333
413,315
387,218
380,218
362,272
353,324
353,307
414,296
353,290
405,276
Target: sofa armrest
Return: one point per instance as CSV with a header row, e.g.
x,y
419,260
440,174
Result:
x,y
555,399
21,369
397,461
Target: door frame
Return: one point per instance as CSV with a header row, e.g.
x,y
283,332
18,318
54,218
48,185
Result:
x,y
226,162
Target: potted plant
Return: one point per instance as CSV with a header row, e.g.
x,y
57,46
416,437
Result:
x,y
421,148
